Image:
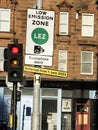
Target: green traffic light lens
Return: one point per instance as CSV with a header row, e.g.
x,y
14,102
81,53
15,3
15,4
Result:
x,y
14,74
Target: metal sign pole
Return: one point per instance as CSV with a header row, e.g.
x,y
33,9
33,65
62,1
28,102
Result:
x,y
14,105
36,97
36,103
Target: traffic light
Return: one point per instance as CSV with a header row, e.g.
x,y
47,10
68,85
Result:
x,y
5,59
18,95
15,62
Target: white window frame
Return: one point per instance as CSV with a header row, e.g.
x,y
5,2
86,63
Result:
x,y
63,23
4,20
87,24
84,62
62,60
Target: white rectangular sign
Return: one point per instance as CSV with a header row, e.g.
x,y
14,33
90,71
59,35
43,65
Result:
x,y
39,37
66,105
40,32
38,60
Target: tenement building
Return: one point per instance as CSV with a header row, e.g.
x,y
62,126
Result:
x,y
60,44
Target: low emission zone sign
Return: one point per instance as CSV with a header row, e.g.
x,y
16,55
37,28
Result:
x,y
39,37
51,72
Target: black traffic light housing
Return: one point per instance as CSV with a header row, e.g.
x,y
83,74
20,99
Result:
x,y
15,62
5,59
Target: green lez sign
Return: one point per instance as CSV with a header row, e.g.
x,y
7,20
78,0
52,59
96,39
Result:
x,y
39,36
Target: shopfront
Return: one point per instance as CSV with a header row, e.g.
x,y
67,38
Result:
x,y
50,109
60,109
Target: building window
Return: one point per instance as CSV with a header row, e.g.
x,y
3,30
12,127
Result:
x,y
62,60
63,24
86,62
87,25
4,20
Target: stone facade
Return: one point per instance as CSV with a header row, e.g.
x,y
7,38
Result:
x,y
74,43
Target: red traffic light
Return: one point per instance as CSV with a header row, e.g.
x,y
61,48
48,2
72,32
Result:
x,y
14,49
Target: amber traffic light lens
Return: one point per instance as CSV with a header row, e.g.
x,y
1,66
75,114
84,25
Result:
x,y
14,62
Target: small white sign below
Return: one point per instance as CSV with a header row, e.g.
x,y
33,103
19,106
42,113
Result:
x,y
38,60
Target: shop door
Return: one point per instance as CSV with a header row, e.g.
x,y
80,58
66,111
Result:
x,y
25,112
51,110
82,118
49,114
66,121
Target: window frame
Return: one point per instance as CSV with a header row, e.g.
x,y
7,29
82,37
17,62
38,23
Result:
x,y
63,22
86,62
5,21
87,24
62,60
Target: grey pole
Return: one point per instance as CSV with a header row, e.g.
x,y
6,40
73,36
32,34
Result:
x,y
35,121
14,105
36,104
39,4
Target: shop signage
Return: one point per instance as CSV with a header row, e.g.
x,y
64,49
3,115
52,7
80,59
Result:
x,y
45,71
66,105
